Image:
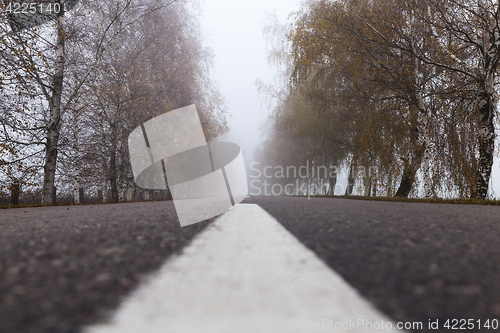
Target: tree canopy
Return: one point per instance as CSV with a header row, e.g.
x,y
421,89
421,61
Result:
x,y
72,88
406,86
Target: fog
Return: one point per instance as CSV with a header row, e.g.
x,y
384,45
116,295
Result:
x,y
234,32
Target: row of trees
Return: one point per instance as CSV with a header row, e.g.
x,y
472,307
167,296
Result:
x,y
406,86
72,89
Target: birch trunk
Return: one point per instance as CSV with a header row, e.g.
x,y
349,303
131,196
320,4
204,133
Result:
x,y
77,161
411,166
76,187
486,136
331,187
115,195
105,190
407,180
425,141
487,106
486,140
350,181
53,127
420,133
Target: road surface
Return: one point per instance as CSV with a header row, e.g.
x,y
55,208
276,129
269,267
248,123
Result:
x,y
67,269
414,261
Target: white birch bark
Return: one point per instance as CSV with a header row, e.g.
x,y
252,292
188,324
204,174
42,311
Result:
x,y
78,157
425,141
76,186
484,73
48,190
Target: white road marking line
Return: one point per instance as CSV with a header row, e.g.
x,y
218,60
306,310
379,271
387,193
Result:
x,y
246,273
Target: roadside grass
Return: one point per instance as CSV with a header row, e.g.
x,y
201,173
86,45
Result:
x,y
34,205
419,200
352,197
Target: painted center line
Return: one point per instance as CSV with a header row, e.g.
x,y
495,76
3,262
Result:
x,y
245,273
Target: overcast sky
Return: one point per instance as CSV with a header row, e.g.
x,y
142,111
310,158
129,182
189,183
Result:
x,y
233,29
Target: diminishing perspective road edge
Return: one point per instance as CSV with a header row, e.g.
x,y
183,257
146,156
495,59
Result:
x,y
244,273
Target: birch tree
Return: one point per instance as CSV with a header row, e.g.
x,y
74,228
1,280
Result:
x,y
42,62
467,36
330,40
419,86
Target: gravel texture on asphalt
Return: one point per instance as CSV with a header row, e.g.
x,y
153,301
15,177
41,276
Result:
x,y
67,266
414,261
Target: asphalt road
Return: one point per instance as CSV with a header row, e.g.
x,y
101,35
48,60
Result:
x,y
65,267
414,261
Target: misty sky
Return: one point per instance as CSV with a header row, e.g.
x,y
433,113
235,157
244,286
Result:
x,y
233,29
